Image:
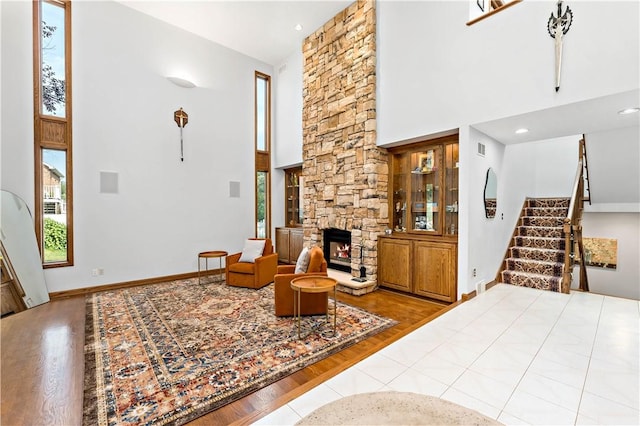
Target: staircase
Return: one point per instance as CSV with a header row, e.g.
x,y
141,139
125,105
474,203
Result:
x,y
536,255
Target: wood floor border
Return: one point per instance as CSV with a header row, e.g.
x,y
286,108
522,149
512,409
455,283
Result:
x,y
107,287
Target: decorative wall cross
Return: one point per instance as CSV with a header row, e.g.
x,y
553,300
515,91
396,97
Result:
x,y
181,118
558,27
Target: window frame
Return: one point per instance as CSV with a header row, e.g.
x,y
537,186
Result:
x,y
52,132
263,157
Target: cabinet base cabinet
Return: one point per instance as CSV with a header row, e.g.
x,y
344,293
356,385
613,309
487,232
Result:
x,y
434,272
422,267
289,244
394,263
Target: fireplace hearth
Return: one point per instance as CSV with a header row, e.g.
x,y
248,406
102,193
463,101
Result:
x,y
337,249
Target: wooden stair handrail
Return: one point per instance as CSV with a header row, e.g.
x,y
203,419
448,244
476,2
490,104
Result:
x,y
573,225
583,157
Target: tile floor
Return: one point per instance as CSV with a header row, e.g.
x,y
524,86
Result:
x,y
518,355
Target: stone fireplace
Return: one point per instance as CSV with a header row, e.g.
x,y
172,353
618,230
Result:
x,y
345,172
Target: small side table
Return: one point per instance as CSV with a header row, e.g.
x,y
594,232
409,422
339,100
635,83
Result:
x,y
206,255
314,284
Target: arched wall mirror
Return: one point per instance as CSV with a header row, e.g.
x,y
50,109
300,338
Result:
x,y
22,273
490,194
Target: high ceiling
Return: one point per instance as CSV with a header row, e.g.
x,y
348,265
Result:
x,y
261,29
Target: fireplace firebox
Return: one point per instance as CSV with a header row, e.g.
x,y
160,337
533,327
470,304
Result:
x,y
337,249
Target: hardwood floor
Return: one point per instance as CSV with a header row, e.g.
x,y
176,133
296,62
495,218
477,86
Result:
x,y
42,364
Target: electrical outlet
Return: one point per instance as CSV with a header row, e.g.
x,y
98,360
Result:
x,y
475,272
97,271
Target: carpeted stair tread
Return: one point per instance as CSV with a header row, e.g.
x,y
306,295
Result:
x,y
540,231
535,266
549,202
546,211
542,221
546,255
525,279
539,242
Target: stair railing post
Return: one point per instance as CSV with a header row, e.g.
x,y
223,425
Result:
x,y
568,250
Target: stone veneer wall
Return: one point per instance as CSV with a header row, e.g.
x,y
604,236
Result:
x,y
345,173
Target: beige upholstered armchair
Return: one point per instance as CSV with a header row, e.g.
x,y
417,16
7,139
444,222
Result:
x,y
310,304
246,271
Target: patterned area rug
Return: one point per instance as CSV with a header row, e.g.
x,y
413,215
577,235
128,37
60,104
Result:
x,y
168,353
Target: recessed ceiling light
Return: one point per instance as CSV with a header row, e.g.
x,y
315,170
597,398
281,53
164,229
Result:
x,y
629,111
520,131
298,27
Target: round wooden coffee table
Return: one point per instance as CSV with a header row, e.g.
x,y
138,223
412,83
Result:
x,y
314,284
206,255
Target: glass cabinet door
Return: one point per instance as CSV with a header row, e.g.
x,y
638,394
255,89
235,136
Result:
x,y
423,194
293,197
425,189
399,205
451,183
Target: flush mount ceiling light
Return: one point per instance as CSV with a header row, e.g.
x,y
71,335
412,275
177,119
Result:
x,y
298,27
182,82
629,111
521,131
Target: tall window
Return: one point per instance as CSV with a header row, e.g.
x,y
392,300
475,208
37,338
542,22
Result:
x,y
52,130
263,156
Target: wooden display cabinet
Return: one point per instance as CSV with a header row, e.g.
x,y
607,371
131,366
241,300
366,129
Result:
x,y
293,197
420,256
424,188
289,238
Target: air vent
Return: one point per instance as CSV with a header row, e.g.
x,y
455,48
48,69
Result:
x,y
481,148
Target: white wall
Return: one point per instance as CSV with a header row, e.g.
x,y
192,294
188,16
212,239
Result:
x,y
486,237
16,128
287,142
436,73
288,112
166,211
622,281
614,150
